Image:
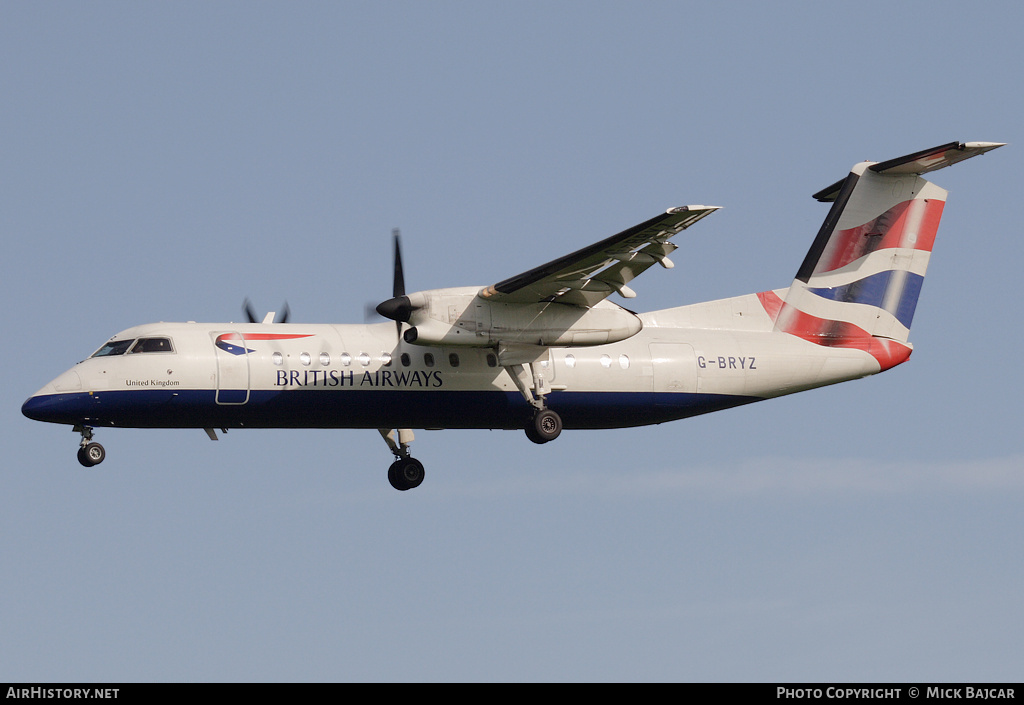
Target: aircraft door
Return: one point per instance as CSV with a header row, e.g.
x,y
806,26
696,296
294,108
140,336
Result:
x,y
675,367
232,368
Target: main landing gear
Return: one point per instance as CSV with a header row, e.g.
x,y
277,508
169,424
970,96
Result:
x,y
89,453
545,424
406,472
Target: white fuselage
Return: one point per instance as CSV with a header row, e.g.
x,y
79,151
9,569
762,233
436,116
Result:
x,y
685,361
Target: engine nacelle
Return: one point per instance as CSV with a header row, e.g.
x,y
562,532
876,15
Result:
x,y
460,317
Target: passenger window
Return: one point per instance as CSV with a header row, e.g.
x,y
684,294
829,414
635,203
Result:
x,y
428,359
453,359
117,347
406,360
492,360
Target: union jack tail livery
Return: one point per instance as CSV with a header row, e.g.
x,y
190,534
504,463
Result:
x,y
859,284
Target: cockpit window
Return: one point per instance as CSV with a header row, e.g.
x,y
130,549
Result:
x,y
114,347
152,345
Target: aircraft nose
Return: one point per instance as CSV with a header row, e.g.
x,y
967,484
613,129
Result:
x,y
57,402
41,407
56,408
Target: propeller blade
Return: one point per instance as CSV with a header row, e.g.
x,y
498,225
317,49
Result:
x,y
399,307
398,288
250,313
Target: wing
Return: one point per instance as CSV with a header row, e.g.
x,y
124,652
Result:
x,y
588,276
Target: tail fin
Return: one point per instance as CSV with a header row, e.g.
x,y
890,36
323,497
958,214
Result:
x,y
859,284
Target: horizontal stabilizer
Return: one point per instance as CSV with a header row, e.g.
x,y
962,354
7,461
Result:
x,y
918,163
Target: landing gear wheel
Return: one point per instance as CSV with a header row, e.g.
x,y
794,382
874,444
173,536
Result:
x,y
545,426
91,454
531,433
405,474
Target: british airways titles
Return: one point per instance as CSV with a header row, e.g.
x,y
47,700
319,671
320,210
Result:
x,y
340,378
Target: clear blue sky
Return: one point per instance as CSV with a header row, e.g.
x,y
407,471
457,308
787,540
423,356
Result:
x,y
162,161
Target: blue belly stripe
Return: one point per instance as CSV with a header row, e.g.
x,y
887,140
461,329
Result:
x,y
300,408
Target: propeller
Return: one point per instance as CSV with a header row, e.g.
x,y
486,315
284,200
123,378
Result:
x,y
250,313
398,308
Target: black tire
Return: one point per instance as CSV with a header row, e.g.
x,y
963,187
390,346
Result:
x,y
546,426
531,433
91,454
406,474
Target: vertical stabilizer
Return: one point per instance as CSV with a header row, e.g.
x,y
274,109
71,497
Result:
x,y
859,284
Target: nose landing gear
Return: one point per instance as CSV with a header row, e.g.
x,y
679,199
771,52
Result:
x,y
406,472
89,453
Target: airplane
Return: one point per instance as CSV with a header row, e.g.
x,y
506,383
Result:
x,y
542,350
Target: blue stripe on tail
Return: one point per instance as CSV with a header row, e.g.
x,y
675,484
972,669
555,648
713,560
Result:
x,y
894,291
